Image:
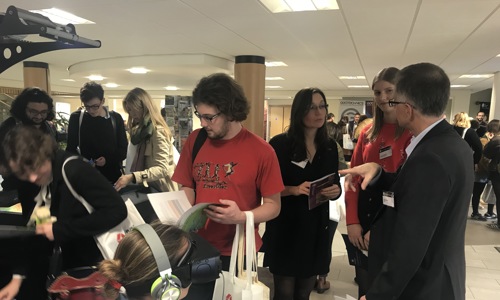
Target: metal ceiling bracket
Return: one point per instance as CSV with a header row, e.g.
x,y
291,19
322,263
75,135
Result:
x,y
17,23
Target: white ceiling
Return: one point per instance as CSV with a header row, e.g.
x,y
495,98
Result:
x,y
183,40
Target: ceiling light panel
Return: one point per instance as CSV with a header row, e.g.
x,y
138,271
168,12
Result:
x,y
476,76
95,77
281,6
275,64
351,77
275,78
138,70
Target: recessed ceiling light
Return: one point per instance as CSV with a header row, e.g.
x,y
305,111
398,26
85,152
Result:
x,y
275,78
95,77
352,77
111,85
138,70
279,6
68,80
273,87
171,88
458,85
275,64
498,55
476,76
357,86
60,16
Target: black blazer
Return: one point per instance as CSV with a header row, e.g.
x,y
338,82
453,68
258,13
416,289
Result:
x,y
420,242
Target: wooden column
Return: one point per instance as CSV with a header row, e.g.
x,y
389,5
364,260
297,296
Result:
x,y
250,73
36,74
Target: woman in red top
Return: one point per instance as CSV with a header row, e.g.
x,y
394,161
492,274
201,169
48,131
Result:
x,y
383,142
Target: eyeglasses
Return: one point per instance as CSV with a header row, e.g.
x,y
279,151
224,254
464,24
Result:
x,y
207,118
318,107
92,107
393,103
34,112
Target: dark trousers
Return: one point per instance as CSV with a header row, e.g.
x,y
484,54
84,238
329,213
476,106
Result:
x,y
476,195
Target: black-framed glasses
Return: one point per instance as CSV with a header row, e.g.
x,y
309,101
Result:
x,y
34,112
393,103
208,118
318,107
92,107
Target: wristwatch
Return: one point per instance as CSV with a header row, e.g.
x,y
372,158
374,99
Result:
x,y
144,180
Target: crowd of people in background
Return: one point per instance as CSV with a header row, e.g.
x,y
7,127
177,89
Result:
x,y
419,166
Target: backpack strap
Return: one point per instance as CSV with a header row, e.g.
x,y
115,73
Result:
x,y
113,120
79,125
200,140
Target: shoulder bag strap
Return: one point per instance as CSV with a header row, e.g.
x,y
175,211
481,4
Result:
x,y
87,206
463,133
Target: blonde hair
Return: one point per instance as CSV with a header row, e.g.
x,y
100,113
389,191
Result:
x,y
139,100
461,120
134,262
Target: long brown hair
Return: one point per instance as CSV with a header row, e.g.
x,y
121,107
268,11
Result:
x,y
389,75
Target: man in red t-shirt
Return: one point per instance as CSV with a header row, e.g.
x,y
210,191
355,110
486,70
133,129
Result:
x,y
234,168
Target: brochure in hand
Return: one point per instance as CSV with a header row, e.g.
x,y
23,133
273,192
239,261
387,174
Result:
x,y
174,207
315,197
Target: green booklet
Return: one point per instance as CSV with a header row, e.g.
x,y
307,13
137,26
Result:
x,y
174,208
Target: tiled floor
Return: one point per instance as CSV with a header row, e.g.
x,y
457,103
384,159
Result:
x,y
482,260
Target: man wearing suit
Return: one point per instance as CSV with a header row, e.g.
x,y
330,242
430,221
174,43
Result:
x,y
426,202
351,126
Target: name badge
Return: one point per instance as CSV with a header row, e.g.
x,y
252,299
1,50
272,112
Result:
x,y
385,152
388,198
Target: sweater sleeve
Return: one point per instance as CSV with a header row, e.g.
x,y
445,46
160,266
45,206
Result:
x,y
474,142
109,208
73,133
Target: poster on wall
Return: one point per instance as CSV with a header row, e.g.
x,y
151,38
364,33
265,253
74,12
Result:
x,y
351,107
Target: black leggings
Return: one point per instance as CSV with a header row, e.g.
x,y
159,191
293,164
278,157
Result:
x,y
293,288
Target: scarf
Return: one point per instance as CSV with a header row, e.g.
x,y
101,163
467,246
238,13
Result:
x,y
141,133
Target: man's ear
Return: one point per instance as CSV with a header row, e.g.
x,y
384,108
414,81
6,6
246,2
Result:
x,y
103,100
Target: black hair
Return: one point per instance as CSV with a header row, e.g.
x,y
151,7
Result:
x,y
224,93
91,90
300,108
31,94
493,127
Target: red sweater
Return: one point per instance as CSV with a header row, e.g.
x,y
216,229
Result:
x,y
367,151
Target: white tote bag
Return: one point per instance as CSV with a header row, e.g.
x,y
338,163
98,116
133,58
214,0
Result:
x,y
488,195
347,142
107,242
245,285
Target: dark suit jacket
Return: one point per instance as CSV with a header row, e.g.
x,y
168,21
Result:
x,y
421,246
